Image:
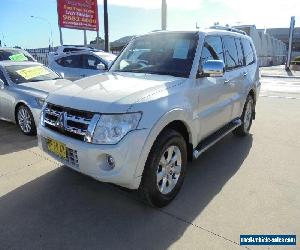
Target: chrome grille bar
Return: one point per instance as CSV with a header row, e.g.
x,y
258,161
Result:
x,y
73,123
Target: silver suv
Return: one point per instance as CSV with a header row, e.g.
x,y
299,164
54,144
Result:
x,y
167,98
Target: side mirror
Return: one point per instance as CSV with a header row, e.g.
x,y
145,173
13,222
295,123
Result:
x,y
101,66
213,68
2,84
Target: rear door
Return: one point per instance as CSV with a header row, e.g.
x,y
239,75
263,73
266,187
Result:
x,y
213,106
235,74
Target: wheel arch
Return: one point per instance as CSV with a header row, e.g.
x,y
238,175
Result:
x,y
175,119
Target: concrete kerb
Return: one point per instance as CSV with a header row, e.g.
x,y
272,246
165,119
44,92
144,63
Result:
x,y
280,76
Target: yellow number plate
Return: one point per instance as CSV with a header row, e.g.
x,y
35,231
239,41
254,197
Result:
x,y
57,148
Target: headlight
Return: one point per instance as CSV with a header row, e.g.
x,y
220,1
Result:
x,y
40,101
42,115
111,129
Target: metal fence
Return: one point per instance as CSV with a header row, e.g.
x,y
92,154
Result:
x,y
41,55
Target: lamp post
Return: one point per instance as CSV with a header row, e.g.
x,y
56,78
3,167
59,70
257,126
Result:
x,y
164,14
47,21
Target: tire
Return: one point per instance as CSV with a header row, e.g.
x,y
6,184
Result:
x,y
246,118
163,176
25,120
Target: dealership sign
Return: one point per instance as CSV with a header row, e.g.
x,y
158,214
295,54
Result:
x,y
78,14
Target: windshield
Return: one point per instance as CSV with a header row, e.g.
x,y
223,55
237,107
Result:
x,y
30,73
162,53
16,55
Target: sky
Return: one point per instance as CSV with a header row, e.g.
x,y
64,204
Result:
x,y
134,17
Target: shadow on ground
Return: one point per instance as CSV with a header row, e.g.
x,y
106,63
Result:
x,y
64,209
13,140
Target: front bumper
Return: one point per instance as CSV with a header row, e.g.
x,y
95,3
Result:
x,y
91,159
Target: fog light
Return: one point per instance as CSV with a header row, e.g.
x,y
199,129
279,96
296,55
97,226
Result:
x,y
110,161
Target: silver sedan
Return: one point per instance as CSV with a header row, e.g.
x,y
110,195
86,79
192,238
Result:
x,y
23,89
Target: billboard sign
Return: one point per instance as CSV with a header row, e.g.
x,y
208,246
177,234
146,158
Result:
x,y
78,14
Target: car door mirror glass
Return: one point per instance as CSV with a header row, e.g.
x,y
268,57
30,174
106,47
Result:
x,y
213,68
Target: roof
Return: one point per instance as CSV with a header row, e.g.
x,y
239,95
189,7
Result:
x,y
216,31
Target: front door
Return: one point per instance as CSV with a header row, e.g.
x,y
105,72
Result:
x,y
213,104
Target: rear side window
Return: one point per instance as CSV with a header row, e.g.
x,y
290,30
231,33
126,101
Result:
x,y
212,49
248,52
231,53
238,45
73,61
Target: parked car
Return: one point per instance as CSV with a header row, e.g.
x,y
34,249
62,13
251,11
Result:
x,y
72,48
74,65
23,89
138,125
14,54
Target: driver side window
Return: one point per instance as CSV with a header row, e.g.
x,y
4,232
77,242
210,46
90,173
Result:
x,y
212,49
90,62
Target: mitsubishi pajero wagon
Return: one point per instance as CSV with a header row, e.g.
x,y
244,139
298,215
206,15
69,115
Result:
x,y
167,98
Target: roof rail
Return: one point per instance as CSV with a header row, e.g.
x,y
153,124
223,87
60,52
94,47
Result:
x,y
218,27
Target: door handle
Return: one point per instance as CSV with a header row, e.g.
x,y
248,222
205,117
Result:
x,y
226,81
245,73
83,75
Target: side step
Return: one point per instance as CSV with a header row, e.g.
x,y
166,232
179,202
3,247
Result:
x,y
215,137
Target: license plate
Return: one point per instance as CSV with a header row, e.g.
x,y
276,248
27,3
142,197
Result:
x,y
57,148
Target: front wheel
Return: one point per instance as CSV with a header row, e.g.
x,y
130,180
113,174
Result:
x,y
165,169
247,118
25,120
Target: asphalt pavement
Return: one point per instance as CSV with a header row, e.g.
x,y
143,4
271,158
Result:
x,y
240,186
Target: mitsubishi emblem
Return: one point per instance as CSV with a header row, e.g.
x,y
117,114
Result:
x,y
60,122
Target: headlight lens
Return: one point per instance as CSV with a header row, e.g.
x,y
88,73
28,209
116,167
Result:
x,y
40,101
42,118
111,129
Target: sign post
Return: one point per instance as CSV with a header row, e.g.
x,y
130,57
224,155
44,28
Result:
x,y
292,28
163,14
106,42
77,14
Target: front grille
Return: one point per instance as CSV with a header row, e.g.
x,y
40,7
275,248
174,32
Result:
x,y
67,121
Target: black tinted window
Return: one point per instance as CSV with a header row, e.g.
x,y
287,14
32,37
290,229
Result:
x,y
231,55
212,49
248,52
71,49
239,51
90,62
73,61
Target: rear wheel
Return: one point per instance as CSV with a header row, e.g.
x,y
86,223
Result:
x,y
25,120
247,118
165,169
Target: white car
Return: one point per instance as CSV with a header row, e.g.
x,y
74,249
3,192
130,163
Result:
x,y
74,65
24,87
138,125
